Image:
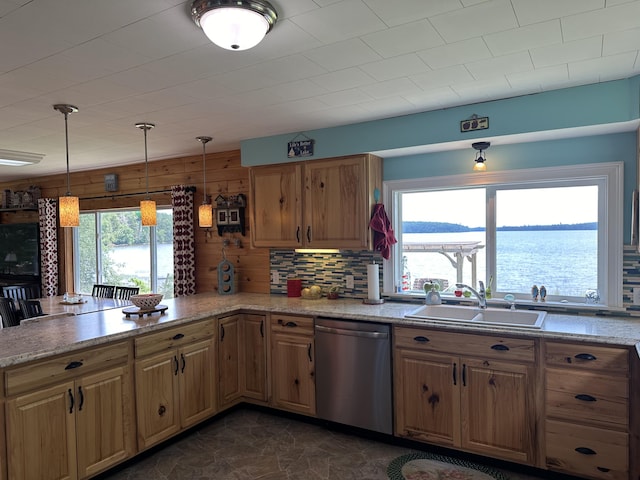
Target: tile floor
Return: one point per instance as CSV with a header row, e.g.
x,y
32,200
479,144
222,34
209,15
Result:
x,y
250,444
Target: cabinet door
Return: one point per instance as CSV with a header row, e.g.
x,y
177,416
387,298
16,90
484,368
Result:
x,y
104,420
157,398
41,434
276,206
293,373
336,206
229,360
255,353
498,416
427,397
197,374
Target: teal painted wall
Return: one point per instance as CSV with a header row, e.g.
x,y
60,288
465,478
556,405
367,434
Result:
x,y
591,105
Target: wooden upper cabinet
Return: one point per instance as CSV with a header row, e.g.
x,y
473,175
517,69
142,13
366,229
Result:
x,y
315,204
276,206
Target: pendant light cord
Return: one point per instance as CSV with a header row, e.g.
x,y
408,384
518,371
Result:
x,y
66,142
204,141
146,161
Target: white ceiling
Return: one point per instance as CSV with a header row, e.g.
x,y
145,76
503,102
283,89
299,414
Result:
x,y
325,63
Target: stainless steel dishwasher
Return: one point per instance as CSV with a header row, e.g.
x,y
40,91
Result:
x,y
353,374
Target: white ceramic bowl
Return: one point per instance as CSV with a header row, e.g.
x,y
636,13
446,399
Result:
x,y
146,301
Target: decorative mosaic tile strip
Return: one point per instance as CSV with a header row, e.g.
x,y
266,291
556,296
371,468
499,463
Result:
x,y
324,269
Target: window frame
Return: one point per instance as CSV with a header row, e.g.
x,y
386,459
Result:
x,y
609,177
153,246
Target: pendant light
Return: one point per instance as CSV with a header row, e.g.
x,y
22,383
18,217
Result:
x,y
205,212
480,165
69,206
147,206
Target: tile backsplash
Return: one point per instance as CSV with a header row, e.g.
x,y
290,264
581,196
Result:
x,y
324,269
329,269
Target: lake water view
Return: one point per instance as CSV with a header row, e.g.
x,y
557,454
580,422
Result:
x,y
133,261
564,261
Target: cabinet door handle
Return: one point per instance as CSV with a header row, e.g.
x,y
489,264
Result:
x,y
298,234
309,353
178,336
221,332
291,324
184,362
175,359
586,356
309,233
464,374
499,347
71,402
585,398
73,365
455,373
262,328
81,395
421,339
585,451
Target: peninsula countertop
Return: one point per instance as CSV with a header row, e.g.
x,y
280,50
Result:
x,y
47,337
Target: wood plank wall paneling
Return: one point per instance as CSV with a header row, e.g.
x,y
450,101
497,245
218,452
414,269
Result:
x,y
225,176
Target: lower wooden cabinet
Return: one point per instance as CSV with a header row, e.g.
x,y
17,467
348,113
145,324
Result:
x,y
483,404
175,388
74,428
292,364
587,399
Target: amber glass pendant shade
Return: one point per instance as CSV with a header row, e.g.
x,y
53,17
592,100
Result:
x,y
205,216
148,213
69,209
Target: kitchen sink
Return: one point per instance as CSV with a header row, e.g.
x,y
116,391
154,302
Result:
x,y
475,315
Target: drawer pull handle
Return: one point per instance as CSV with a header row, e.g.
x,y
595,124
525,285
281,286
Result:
x,y
499,347
585,398
604,469
421,339
586,356
178,336
585,451
73,365
291,324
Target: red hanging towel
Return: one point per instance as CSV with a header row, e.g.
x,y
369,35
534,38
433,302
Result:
x,y
383,236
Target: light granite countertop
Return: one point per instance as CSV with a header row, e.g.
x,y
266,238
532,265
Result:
x,y
45,337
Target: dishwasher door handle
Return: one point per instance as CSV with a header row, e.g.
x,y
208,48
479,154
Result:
x,y
353,333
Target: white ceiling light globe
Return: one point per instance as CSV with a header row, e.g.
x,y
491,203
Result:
x,y
234,28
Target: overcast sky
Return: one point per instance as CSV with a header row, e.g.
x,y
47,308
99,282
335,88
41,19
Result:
x,y
545,206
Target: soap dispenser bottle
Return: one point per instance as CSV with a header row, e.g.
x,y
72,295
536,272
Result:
x,y
432,296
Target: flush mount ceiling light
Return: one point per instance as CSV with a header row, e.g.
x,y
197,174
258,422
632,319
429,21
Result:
x,y
68,205
480,165
205,212
147,206
13,158
234,24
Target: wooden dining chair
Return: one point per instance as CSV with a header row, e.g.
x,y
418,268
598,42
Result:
x,y
24,292
9,313
124,293
103,291
30,308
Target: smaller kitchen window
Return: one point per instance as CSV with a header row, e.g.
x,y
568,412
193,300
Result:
x,y
560,227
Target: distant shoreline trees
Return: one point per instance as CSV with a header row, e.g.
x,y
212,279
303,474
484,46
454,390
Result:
x,y
444,227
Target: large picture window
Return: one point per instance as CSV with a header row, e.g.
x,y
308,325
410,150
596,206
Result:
x,y
559,227
112,247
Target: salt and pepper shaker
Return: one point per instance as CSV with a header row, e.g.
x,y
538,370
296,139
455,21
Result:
x,y
534,293
543,293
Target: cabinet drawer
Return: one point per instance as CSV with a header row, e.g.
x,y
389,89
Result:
x,y
173,337
588,451
36,374
462,343
587,397
587,357
292,324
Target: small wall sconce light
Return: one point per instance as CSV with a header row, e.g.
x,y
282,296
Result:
x,y
480,165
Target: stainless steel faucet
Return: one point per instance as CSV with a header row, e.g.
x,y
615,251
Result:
x,y
481,293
